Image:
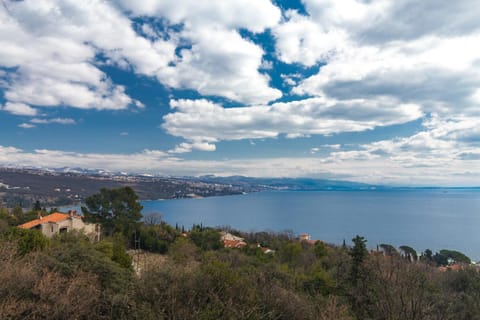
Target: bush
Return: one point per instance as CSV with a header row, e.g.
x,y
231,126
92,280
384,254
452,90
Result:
x,y
206,238
27,240
157,238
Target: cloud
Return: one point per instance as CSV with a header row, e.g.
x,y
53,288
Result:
x,y
302,40
20,109
50,49
254,15
441,145
33,122
53,50
369,169
214,58
188,147
26,126
53,120
206,122
412,52
222,63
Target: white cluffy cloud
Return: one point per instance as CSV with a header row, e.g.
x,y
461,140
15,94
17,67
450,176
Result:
x,y
33,122
26,125
215,59
53,50
445,149
50,48
204,122
422,53
20,109
53,120
346,166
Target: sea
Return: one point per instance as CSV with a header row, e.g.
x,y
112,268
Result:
x,y
423,219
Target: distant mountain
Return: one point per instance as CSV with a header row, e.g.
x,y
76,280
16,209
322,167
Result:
x,y
66,186
288,183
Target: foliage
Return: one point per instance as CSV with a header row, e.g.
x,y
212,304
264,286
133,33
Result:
x,y
29,291
409,253
7,218
157,237
290,252
72,252
205,238
119,252
69,277
37,206
388,249
27,240
321,250
117,210
456,256
358,253
183,251
427,256
17,212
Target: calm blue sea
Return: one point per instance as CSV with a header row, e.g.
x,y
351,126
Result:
x,y
433,219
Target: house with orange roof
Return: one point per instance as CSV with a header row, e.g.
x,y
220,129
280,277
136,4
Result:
x,y
231,241
234,243
453,267
58,222
305,237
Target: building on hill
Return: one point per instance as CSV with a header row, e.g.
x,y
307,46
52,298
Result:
x,y
63,222
305,237
231,241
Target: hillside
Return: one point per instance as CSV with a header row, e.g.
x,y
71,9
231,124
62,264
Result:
x,y
25,186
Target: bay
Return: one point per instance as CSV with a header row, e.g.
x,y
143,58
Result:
x,y
432,218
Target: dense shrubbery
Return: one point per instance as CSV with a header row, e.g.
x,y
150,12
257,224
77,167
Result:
x,y
196,278
69,278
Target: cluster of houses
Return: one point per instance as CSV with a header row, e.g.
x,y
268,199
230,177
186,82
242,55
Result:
x,y
231,241
58,222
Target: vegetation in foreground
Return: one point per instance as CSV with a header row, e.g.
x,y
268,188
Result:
x,y
69,277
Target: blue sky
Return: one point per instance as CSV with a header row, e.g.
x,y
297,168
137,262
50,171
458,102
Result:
x,y
371,91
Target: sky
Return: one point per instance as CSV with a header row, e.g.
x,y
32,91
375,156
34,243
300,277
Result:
x,y
375,91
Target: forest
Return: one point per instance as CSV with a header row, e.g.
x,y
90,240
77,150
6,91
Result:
x,y
144,268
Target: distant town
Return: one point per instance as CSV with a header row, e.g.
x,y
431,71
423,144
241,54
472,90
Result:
x,y
24,186
68,186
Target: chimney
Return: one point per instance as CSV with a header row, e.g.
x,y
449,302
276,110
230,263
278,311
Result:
x,y
39,215
70,213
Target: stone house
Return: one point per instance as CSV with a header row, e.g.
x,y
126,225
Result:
x,y
63,222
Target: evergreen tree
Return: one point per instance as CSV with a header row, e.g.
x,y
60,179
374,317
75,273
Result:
x,y
37,206
117,210
358,253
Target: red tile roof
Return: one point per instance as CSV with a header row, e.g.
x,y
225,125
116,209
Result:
x,y
234,244
54,217
453,267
